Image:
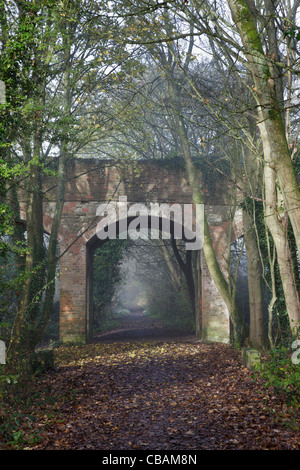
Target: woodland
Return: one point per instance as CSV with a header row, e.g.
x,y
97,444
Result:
x,y
195,84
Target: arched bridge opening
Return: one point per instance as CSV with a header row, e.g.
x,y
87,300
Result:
x,y
177,259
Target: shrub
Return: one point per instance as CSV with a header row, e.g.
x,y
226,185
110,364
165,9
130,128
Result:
x,y
281,373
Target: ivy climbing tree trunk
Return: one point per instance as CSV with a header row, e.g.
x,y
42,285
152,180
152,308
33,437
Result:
x,y
267,78
31,138
278,167
22,335
255,284
278,229
66,30
257,336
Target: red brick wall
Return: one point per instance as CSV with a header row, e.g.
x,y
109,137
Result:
x,y
91,182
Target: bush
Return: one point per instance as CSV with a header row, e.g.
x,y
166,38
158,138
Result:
x,y
281,373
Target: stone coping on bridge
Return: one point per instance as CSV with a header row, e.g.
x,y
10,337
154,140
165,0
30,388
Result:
x,y
92,179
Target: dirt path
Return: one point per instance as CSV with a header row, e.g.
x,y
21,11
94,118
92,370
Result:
x,y
137,326
171,395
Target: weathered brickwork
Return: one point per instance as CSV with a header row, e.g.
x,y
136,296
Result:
x,y
92,182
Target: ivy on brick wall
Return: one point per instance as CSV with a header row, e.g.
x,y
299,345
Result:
x,y
107,259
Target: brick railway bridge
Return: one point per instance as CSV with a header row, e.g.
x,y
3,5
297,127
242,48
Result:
x,y
91,182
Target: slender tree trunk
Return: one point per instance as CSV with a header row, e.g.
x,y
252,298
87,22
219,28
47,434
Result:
x,y
255,284
257,336
210,257
60,198
22,332
172,265
187,269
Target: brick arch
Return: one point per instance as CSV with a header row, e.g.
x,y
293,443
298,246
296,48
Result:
x,y
90,182
160,222
92,242
76,288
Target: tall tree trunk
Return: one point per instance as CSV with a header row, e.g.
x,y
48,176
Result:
x,y
267,88
255,284
22,332
187,269
279,232
60,197
257,336
175,274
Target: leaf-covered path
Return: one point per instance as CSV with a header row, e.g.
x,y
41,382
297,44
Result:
x,y
172,395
